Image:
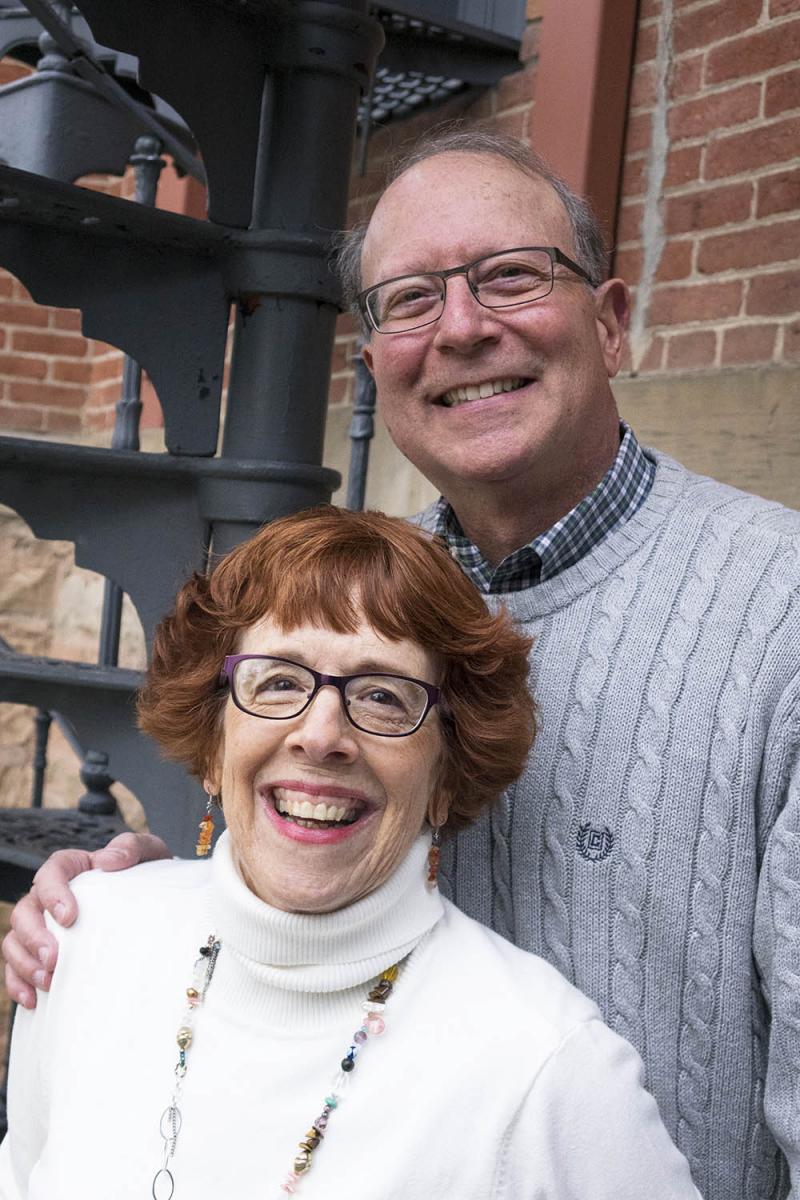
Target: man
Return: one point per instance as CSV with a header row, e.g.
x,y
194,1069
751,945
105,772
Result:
x,y
649,849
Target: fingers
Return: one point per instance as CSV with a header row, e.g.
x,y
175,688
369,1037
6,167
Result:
x,y
128,849
17,990
30,952
51,891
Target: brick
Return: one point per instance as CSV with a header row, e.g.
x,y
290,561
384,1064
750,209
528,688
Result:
x,y
685,76
653,358
771,295
339,391
627,265
778,193
630,222
6,284
26,420
750,248
782,8
634,177
791,342
48,343
649,8
704,26
57,421
70,370
782,92
675,262
46,395
677,305
66,318
683,166
752,149
516,89
720,110
754,53
107,368
12,313
343,352
16,365
748,344
646,42
708,208
638,132
643,86
692,350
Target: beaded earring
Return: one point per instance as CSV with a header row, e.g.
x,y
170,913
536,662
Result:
x,y
434,855
206,827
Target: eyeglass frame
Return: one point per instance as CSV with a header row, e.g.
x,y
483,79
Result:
x,y
230,662
555,255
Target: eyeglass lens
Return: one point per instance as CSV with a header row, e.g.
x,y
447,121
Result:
x,y
270,687
499,281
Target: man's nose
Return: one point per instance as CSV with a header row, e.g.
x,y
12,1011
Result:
x,y
322,731
464,324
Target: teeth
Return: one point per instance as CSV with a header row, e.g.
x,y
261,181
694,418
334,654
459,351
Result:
x,y
480,391
286,802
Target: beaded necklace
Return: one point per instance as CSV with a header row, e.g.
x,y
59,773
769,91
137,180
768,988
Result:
x,y
372,1023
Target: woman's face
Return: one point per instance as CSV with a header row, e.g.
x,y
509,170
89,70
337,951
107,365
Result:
x,y
264,766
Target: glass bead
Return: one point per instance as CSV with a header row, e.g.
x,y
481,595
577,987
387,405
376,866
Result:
x,y
359,1037
347,1064
331,1101
373,1006
376,1026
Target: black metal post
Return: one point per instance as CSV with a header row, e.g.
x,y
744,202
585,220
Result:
x,y
362,431
42,722
148,165
277,399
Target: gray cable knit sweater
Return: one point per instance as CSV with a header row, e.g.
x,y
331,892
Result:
x,y
651,848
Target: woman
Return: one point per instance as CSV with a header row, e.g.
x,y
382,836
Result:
x,y
345,1032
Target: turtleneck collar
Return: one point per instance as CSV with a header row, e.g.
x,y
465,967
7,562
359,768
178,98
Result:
x,y
294,966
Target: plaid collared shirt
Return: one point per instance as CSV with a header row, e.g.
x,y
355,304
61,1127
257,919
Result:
x,y
615,499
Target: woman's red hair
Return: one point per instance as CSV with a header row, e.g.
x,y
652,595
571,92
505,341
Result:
x,y
328,566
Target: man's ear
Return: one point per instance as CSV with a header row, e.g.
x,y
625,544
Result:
x,y
612,311
366,354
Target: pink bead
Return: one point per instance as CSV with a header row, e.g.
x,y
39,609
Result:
x,y
376,1025
290,1182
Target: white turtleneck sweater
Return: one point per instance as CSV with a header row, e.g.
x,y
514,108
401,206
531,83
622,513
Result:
x,y
495,1078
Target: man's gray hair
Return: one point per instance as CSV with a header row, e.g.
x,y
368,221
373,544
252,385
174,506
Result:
x,y
590,247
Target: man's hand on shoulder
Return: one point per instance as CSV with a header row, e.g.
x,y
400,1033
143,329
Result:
x,y
30,951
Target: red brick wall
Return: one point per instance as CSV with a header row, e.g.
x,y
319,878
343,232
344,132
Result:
x,y
724,288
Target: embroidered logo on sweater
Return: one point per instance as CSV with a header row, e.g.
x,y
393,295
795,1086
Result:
x,y
594,844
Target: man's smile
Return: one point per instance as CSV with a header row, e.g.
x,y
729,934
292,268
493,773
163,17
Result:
x,y
481,391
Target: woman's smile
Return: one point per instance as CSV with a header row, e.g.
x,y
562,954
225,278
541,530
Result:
x,y
315,813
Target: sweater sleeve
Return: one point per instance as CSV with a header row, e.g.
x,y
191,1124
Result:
x,y
588,1128
27,1103
776,945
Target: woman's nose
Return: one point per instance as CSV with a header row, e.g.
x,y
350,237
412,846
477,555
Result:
x,y
322,730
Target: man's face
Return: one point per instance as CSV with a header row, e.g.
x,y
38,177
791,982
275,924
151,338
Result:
x,y
558,352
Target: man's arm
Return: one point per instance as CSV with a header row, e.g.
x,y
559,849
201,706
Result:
x,y
30,951
776,947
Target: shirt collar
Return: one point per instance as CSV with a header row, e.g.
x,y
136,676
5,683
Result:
x,y
618,495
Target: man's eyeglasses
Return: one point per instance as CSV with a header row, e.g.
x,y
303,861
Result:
x,y
276,688
500,280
